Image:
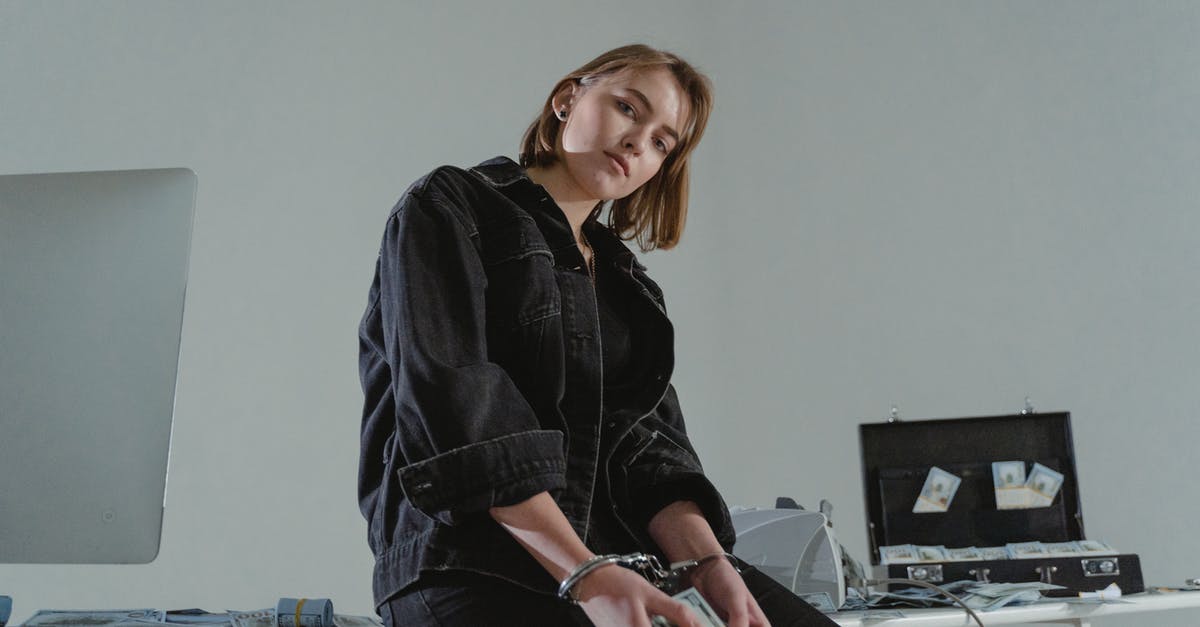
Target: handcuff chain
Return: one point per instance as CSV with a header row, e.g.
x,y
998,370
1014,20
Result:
x,y
645,565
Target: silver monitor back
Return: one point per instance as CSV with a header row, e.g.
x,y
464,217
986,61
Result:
x,y
93,267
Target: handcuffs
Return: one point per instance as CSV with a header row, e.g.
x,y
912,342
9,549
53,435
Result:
x,y
668,580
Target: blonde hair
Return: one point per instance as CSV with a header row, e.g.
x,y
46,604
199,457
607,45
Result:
x,y
655,213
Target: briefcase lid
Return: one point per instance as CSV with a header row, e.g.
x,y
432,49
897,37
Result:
x,y
898,455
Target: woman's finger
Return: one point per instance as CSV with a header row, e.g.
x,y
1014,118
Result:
x,y
676,612
757,618
738,618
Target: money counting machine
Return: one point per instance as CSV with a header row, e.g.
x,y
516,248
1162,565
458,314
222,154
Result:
x,y
795,547
992,498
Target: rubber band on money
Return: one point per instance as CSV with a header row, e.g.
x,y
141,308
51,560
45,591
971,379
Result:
x,y
299,606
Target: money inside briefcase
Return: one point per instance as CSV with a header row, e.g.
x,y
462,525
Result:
x,y
993,498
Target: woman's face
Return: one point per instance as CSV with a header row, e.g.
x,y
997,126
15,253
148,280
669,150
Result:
x,y
618,132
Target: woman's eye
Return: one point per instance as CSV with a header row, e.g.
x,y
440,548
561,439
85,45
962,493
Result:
x,y
624,107
661,145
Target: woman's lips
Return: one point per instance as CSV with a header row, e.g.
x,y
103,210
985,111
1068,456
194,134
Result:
x,y
620,165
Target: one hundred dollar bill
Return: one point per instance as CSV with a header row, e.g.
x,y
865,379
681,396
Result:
x,y
938,491
932,553
95,617
994,553
1008,474
700,607
898,554
1096,547
820,600
1045,483
1026,550
1062,548
964,554
1008,478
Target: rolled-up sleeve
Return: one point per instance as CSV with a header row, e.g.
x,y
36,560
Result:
x,y
664,468
469,438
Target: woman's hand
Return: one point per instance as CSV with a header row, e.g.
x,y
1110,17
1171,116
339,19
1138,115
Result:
x,y
725,590
613,596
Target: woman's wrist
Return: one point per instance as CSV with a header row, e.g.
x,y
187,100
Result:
x,y
570,587
682,532
694,570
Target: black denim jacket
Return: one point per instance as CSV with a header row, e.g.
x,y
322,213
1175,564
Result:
x,y
480,362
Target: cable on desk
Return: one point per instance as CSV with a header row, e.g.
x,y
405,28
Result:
x,y
914,582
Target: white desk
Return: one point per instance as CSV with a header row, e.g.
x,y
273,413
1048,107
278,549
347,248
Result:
x,y
1052,611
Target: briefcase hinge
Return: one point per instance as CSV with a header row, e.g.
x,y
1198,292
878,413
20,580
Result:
x,y
981,574
1047,573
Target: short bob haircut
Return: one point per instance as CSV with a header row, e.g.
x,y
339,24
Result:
x,y
655,213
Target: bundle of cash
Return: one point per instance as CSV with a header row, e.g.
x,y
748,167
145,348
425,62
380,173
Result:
x,y
992,596
916,554
993,553
694,600
304,612
1016,491
820,600
1009,481
5,610
1025,550
1044,484
938,491
964,554
95,617
912,554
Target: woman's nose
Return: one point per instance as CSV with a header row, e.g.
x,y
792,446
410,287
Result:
x,y
636,142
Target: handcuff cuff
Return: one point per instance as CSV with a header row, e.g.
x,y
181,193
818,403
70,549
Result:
x,y
668,579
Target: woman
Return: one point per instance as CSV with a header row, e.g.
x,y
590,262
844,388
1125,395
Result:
x,y
515,359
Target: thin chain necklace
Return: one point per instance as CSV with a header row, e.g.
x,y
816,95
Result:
x,y
591,262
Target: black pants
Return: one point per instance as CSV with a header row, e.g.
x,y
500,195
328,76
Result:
x,y
464,599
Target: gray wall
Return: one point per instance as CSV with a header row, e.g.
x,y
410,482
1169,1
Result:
x,y
943,206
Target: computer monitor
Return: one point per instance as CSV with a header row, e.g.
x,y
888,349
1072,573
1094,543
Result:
x,y
93,267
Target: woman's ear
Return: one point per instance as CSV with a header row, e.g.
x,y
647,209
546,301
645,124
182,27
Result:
x,y
564,98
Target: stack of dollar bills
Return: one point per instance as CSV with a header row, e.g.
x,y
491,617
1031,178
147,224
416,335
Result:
x,y
916,554
132,618
1016,491
977,595
692,598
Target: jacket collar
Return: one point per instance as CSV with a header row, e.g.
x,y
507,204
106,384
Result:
x,y
511,179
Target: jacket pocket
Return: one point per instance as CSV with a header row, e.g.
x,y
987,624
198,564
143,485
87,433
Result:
x,y
521,288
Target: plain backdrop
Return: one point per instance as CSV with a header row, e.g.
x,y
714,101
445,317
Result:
x,y
942,206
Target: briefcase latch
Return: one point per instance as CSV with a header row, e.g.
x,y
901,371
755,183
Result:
x,y
1101,567
1047,573
981,574
931,573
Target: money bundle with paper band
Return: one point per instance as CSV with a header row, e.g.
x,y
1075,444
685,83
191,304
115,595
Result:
x,y
1009,481
1015,491
899,554
937,492
1044,484
917,554
304,612
965,554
